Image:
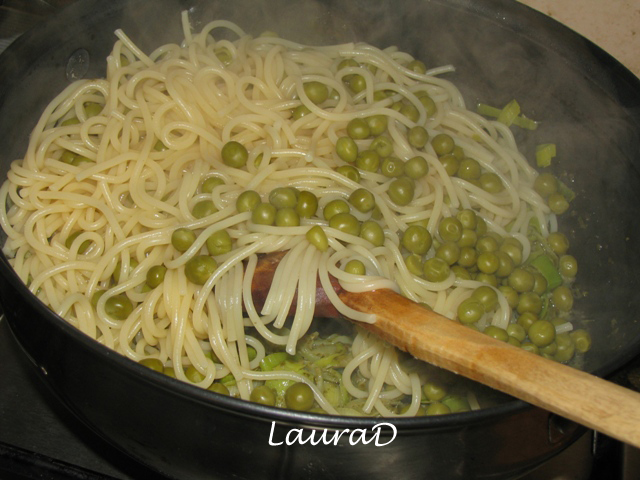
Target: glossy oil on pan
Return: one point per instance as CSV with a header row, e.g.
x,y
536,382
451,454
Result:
x,y
587,103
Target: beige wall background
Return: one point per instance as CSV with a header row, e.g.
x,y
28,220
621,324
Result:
x,y
614,25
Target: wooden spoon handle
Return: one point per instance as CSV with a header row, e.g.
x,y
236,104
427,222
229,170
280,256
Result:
x,y
571,393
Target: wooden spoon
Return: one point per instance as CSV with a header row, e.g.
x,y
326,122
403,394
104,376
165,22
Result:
x,y
571,393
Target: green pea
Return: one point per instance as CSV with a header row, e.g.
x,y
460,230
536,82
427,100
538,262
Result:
x,y
434,391
428,104
488,278
234,154
372,232
469,169
416,167
562,298
414,264
530,347
469,238
516,331
467,218
437,408
182,239
358,129
299,112
299,396
247,201
153,364
155,275
442,144
539,283
410,111
210,183
461,272
264,214
347,149
357,83
350,172
550,350
118,307
582,340
558,242
355,267
568,266
527,319
346,223
368,160
514,252
417,66
307,204
542,333
497,333
70,121
566,348
204,208
347,62
84,246
450,229
545,184
334,207
193,375
521,280
224,56
382,145
67,157
449,252
92,109
417,239
450,163
317,92
468,257
199,268
510,294
287,217
362,200
219,243
481,226
159,146
491,183
488,262
283,197
436,270
558,204
263,395
96,297
392,167
487,296
401,191
318,238
470,311
529,302
377,124
506,265
218,387
418,136
79,160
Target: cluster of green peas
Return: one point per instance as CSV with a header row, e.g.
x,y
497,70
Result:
x,y
536,289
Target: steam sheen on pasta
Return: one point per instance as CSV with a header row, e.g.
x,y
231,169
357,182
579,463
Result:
x,y
116,166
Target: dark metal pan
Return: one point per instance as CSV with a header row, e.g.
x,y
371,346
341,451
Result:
x,y
588,104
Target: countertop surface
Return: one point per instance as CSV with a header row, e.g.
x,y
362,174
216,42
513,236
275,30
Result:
x,y
613,25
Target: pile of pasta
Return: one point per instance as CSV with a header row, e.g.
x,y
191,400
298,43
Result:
x,y
145,199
